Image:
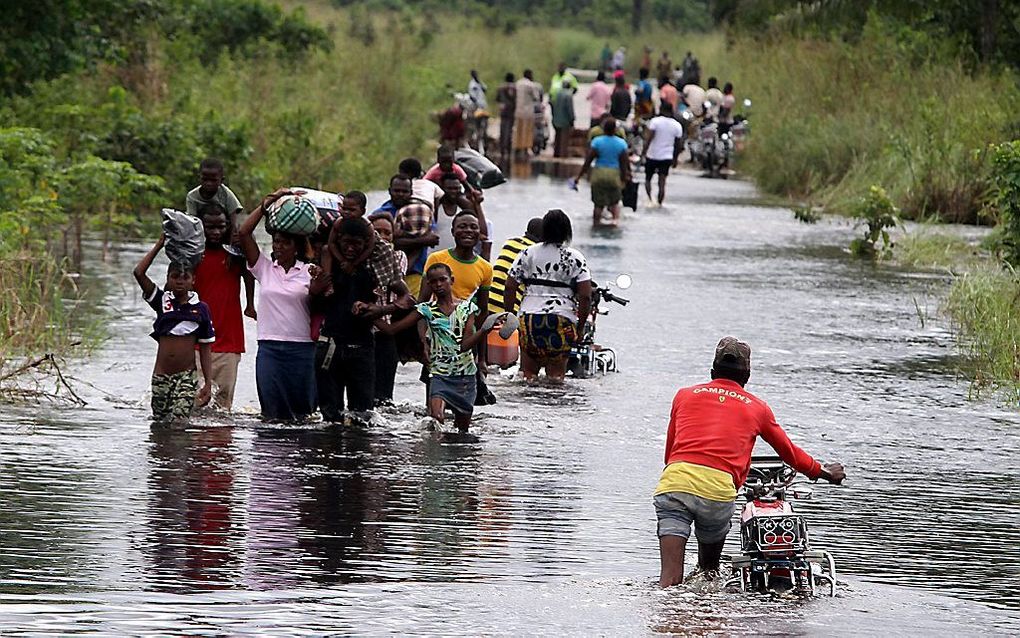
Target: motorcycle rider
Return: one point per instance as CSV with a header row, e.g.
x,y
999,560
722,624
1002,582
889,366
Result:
x,y
712,430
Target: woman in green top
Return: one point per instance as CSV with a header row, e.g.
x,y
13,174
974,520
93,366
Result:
x,y
450,336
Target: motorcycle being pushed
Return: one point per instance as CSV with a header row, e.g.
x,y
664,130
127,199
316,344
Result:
x,y
588,358
775,551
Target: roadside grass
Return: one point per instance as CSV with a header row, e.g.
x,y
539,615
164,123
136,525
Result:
x,y
930,247
831,119
984,306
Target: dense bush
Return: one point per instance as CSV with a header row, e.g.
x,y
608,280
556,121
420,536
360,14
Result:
x,y
831,119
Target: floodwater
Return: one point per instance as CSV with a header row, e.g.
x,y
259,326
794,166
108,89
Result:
x,y
546,525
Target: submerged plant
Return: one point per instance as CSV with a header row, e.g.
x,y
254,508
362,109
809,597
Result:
x,y
876,213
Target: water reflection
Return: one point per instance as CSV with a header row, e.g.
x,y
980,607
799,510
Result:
x,y
194,538
106,523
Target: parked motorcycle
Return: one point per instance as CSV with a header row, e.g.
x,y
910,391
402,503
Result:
x,y
775,553
588,358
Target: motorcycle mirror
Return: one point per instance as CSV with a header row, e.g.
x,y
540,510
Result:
x,y
624,281
686,115
707,105
802,493
747,103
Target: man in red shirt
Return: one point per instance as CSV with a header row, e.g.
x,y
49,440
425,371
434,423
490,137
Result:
x,y
712,430
218,283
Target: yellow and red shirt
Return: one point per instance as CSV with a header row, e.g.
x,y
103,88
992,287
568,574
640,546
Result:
x,y
712,431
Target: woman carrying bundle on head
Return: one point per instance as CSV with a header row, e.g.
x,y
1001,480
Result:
x,y
284,365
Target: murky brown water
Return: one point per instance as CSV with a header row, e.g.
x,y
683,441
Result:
x,y
545,526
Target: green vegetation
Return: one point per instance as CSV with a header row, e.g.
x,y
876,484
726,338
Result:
x,y
876,213
831,119
985,308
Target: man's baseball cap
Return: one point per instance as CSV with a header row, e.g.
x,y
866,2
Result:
x,y
618,74
733,354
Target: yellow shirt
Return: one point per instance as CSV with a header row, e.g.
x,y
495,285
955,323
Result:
x,y
468,276
706,482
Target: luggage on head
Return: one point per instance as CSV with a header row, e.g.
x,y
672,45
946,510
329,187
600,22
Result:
x,y
185,237
293,214
481,172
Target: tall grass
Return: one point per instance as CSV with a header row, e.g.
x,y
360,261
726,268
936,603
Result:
x,y
985,308
33,315
832,119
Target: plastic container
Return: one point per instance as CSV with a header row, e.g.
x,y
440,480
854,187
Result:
x,y
502,352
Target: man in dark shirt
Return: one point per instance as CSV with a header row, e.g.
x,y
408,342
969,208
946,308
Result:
x,y
345,352
620,101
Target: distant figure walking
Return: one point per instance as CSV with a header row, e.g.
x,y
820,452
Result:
x,y
599,94
563,119
506,97
619,58
529,95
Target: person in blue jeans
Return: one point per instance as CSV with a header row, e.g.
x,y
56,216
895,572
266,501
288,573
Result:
x,y
609,162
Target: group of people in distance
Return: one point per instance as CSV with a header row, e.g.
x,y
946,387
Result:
x,y
338,309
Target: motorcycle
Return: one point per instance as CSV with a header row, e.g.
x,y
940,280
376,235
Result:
x,y
775,552
587,358
741,127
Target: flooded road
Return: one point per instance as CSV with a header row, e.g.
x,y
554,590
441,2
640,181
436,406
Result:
x,y
546,526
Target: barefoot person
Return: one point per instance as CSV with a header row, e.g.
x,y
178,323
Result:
x,y
450,336
182,322
664,139
610,170
712,430
557,299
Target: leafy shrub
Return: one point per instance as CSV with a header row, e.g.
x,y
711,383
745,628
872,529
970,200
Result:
x,y
877,214
1006,178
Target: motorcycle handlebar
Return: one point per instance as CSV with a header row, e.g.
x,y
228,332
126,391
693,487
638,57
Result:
x,y
608,296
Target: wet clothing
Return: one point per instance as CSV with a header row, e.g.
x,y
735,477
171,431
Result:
x,y
715,425
223,375
468,276
547,336
606,187
444,334
500,269
677,512
224,197
457,391
174,319
173,395
285,379
344,369
218,283
561,267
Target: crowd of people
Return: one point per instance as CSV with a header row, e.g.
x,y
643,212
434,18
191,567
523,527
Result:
x,y
340,307
654,112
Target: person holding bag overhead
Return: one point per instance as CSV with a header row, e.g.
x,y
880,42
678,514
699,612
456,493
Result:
x,y
285,363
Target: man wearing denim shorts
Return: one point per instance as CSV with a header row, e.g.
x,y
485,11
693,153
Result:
x,y
712,430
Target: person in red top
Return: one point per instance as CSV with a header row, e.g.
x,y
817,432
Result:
x,y
218,282
712,431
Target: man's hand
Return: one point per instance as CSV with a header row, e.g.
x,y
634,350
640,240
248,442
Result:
x,y
360,307
431,239
249,311
833,473
321,280
204,394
